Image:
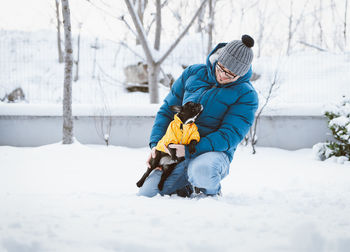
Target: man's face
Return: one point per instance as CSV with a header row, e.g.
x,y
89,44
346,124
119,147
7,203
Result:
x,y
223,75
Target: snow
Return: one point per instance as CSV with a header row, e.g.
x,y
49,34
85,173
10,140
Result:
x,y
340,121
84,198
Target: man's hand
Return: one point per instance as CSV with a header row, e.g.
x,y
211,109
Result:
x,y
152,155
180,149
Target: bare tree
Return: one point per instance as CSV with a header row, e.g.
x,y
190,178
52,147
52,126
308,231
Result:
x,y
333,11
153,65
156,18
251,138
211,23
317,22
95,46
261,17
116,54
60,53
103,119
320,24
245,6
158,25
200,20
292,24
76,62
345,19
177,12
103,124
68,75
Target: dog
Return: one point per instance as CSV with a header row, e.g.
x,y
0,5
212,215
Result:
x,y
182,130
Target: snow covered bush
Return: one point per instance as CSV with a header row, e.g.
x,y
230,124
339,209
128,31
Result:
x,y
339,123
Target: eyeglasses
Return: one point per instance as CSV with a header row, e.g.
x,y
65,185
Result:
x,y
227,74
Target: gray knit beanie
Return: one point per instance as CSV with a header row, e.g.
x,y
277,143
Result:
x,y
237,55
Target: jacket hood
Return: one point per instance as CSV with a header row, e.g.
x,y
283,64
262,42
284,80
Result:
x,y
212,59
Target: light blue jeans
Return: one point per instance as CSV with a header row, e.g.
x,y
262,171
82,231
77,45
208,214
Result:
x,y
205,172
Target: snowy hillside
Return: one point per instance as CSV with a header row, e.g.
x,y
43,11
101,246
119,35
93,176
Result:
x,y
83,198
29,60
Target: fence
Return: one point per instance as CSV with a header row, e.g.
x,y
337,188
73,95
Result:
x,y
29,60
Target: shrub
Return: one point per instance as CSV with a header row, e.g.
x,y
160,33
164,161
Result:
x,y
339,124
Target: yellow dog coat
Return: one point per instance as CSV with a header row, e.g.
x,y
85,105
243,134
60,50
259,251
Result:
x,y
176,135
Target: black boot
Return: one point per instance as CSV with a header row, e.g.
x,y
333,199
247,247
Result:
x,y
186,191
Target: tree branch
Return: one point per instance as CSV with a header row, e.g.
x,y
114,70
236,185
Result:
x,y
129,48
140,31
257,117
127,25
182,34
300,17
312,46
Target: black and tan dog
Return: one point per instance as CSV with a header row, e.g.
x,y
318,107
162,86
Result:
x,y
182,130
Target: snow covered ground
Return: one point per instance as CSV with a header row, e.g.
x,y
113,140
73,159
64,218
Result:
x,y
83,198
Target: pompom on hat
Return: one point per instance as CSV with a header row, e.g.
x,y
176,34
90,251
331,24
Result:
x,y
237,55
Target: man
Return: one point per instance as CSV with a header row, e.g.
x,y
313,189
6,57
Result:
x,y
222,86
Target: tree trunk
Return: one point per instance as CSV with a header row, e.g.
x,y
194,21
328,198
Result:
x,y
68,74
211,25
290,23
158,25
294,23
318,9
76,77
95,47
261,33
60,53
153,75
200,20
345,17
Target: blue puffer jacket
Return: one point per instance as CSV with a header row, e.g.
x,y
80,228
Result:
x,y
228,113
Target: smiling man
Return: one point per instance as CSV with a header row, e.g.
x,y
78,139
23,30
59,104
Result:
x,y
222,86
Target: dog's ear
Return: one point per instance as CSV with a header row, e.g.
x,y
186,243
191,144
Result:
x,y
176,108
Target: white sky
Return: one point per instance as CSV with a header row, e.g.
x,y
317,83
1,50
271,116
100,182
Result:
x,y
40,14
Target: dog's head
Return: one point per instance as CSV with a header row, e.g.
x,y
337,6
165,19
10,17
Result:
x,y
189,112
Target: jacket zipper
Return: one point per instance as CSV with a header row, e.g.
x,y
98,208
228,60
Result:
x,y
200,97
182,135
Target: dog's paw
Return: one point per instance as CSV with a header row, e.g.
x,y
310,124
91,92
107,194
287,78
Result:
x,y
191,149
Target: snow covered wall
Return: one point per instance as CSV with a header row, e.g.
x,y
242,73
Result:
x,y
35,125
